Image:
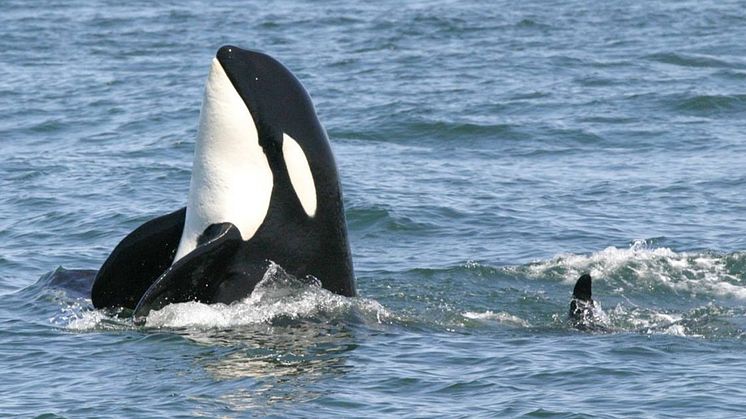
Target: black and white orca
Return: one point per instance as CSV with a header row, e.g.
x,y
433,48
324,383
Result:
x,y
264,189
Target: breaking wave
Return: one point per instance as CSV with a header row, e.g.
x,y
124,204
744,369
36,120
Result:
x,y
647,268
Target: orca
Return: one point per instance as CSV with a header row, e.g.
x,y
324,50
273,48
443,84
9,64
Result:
x,y
264,189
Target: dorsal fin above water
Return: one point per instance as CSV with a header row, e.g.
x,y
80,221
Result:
x,y
582,290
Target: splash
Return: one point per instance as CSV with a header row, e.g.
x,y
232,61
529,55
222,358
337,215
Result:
x,y
649,289
277,299
78,315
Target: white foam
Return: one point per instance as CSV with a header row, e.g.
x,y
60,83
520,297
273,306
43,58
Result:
x,y
651,321
500,317
311,303
278,296
676,330
77,316
683,272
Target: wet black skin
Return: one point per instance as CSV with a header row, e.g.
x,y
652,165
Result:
x,y
137,261
581,301
582,307
223,268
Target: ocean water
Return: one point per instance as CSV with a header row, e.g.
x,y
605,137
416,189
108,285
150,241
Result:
x,y
490,152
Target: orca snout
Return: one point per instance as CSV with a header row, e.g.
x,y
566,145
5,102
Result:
x,y
241,59
226,52
230,57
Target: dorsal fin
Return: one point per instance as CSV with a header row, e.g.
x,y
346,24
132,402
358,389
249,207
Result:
x,y
582,289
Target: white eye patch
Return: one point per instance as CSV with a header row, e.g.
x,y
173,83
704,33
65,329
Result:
x,y
300,174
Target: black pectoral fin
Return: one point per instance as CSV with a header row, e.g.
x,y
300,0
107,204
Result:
x,y
198,275
137,261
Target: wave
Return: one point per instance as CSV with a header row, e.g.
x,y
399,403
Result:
x,y
647,268
646,289
689,60
712,104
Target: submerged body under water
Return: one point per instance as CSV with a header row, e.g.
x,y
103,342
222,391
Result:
x,y
489,154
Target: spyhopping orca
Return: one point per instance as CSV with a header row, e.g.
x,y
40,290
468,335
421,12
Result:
x,y
264,189
582,305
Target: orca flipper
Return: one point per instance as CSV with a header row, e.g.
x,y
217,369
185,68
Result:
x,y
203,274
137,261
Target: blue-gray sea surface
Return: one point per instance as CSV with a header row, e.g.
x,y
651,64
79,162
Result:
x,y
490,152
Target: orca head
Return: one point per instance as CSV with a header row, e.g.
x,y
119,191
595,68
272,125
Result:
x,y
258,129
277,101
288,129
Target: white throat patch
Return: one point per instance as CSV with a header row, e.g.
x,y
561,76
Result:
x,y
231,178
300,174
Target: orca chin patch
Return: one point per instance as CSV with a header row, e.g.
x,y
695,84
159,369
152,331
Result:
x,y
231,178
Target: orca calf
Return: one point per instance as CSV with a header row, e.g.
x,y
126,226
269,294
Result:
x,y
264,189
